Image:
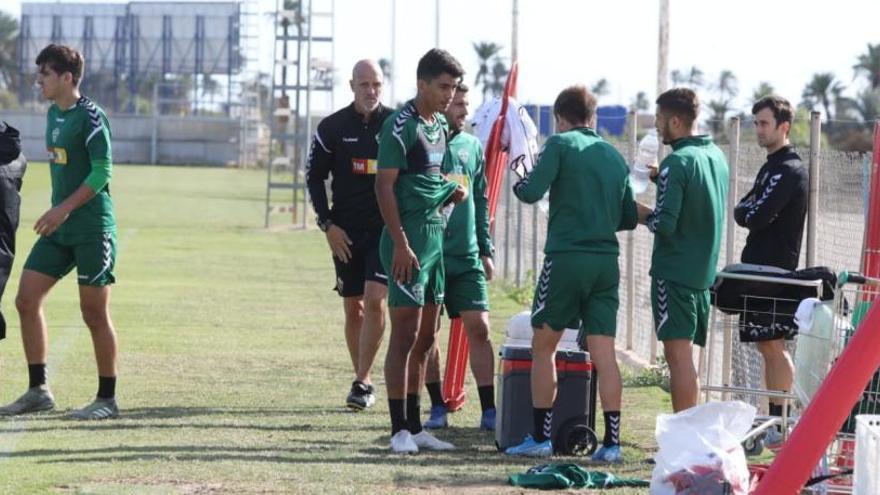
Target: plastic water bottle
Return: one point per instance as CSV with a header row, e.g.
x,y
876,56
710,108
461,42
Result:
x,y
646,157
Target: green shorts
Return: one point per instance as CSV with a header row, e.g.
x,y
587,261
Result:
x,y
679,312
427,283
466,288
578,289
93,256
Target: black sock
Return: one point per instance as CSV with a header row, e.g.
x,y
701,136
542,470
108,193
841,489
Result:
x,y
436,394
612,428
413,414
106,387
36,375
543,424
397,408
487,397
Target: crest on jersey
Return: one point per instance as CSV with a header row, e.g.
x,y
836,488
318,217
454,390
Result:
x,y
463,155
55,133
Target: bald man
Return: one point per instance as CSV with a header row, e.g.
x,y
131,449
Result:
x,y
345,147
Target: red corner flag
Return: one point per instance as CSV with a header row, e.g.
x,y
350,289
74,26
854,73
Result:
x,y
496,158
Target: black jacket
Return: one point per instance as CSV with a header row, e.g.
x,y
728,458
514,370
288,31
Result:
x,y
346,147
774,211
12,168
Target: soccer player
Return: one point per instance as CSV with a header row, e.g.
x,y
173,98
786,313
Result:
x,y
467,258
687,222
78,231
345,145
774,211
411,190
590,200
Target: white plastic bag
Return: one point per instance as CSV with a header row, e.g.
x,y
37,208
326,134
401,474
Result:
x,y
699,447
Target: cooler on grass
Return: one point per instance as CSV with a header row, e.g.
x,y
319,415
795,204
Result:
x,y
575,408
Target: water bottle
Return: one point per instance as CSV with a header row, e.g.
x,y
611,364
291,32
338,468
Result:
x,y
646,157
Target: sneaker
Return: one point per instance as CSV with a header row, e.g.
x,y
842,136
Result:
x,y
487,420
773,439
531,448
426,441
36,399
437,420
402,443
608,454
361,396
99,409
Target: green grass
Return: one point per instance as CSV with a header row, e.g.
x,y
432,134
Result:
x,y
233,367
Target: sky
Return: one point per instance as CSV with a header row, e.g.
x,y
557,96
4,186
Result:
x,y
564,42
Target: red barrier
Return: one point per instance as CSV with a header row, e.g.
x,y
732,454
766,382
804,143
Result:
x,y
871,253
496,159
829,408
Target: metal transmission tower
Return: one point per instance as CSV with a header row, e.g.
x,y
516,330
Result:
x,y
302,68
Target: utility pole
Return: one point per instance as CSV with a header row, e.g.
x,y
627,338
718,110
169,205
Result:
x,y
663,49
514,35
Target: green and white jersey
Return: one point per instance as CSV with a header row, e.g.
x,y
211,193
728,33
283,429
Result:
x,y
467,230
688,218
78,142
590,194
417,148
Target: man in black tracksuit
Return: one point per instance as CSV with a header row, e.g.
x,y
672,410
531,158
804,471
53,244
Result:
x,y
345,146
774,212
12,168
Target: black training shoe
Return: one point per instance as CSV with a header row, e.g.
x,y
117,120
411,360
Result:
x,y
361,396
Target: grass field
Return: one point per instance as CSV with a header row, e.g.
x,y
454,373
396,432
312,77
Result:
x,y
233,367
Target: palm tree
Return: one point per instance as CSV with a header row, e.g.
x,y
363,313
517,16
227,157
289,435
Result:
x,y
499,77
727,85
695,77
677,77
823,89
640,103
8,49
763,89
719,110
869,63
600,88
485,52
387,70
867,105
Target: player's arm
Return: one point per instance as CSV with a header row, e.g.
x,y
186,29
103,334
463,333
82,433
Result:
x,y
392,158
481,211
629,211
743,207
670,193
771,199
536,183
318,168
101,162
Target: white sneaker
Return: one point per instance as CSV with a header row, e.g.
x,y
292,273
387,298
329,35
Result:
x,y
402,443
425,440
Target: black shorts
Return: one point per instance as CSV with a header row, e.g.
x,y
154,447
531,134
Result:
x,y
760,327
363,266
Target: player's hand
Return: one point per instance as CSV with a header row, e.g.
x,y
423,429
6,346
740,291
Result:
x,y
488,267
403,264
339,243
460,194
654,169
50,221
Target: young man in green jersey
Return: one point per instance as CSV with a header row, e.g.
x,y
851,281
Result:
x,y
687,222
467,258
78,231
590,201
410,191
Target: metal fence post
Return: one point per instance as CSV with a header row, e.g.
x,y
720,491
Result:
x,y
813,211
632,140
506,185
733,163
